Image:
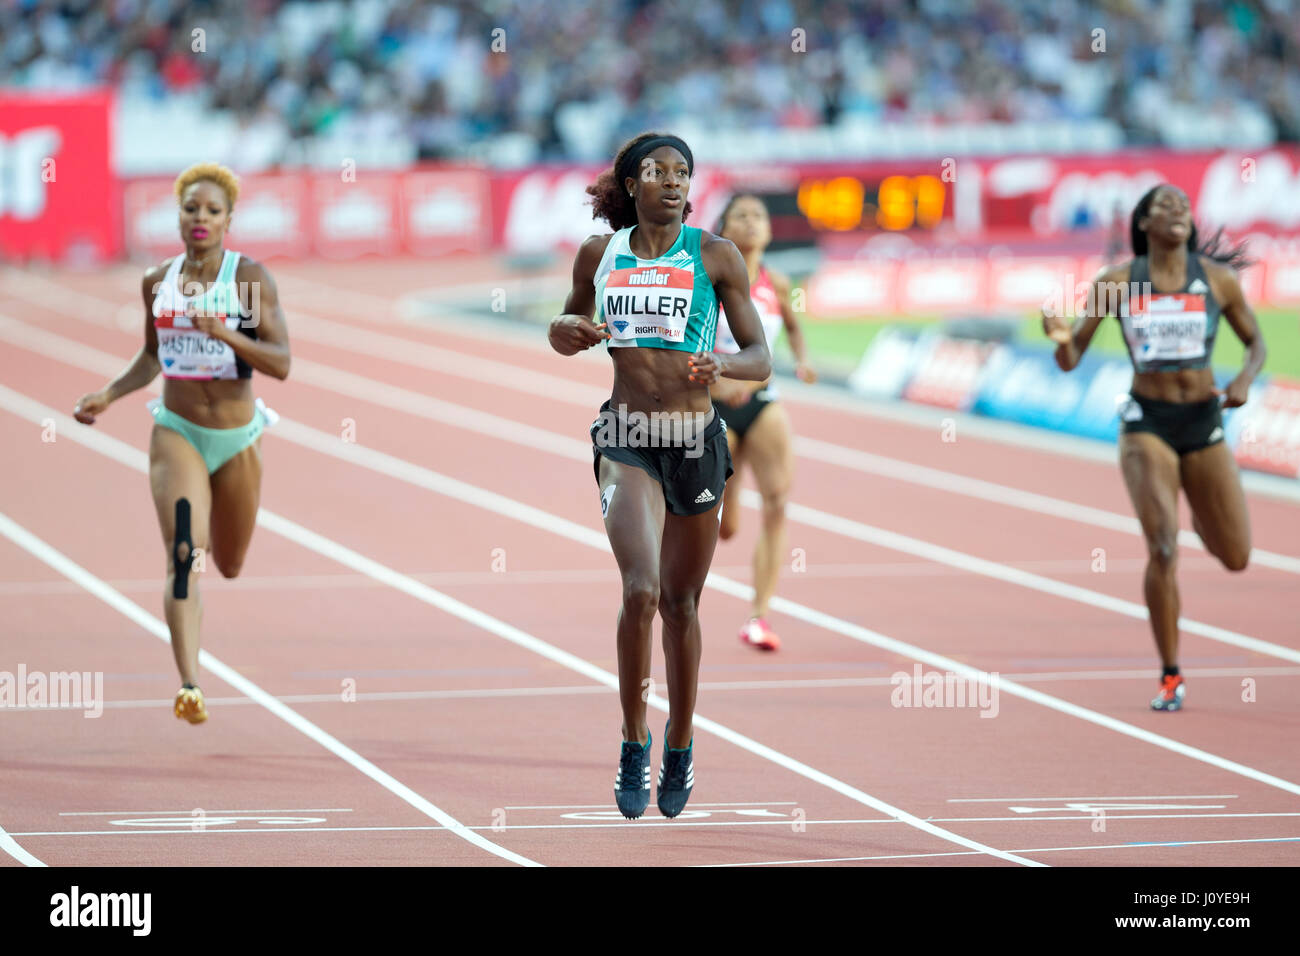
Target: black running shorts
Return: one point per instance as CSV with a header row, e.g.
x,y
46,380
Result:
x,y
1185,427
740,419
692,466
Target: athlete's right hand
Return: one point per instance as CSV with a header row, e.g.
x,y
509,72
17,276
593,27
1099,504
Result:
x,y
573,333
1056,327
89,406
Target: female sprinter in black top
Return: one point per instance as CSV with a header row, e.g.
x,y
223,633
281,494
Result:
x,y
211,316
758,429
661,458
1169,298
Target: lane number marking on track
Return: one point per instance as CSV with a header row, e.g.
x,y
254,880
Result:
x,y
1108,805
205,821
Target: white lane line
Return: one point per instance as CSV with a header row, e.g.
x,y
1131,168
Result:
x,y
694,805
379,696
1084,815
10,846
538,439
833,859
403,470
527,381
433,358
1025,437
1188,796
392,348
588,689
540,384
600,576
498,828
880,537
1040,849
187,811
132,457
425,478
977,488
508,507
133,612
343,555
621,824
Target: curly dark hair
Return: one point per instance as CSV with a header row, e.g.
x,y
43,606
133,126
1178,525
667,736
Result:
x,y
610,200
1215,247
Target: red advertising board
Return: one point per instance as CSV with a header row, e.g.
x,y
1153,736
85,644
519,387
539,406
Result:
x,y
445,211
1026,207
1269,439
972,199
924,286
422,212
355,217
58,194
269,218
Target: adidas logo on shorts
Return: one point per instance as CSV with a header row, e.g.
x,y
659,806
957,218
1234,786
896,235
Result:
x,y
1216,434
704,496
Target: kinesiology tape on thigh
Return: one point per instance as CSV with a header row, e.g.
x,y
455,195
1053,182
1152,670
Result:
x,y
181,576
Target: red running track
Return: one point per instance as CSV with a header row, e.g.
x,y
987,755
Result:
x,y
492,720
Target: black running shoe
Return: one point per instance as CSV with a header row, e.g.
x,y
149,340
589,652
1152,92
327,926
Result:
x,y
632,785
676,778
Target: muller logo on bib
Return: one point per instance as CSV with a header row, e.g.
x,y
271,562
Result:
x,y
649,301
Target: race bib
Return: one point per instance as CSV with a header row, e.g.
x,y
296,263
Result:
x,y
186,352
1166,328
648,301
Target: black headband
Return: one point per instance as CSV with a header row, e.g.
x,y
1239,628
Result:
x,y
631,165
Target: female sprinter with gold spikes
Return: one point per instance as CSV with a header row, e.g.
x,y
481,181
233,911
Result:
x,y
212,316
758,429
1169,297
660,449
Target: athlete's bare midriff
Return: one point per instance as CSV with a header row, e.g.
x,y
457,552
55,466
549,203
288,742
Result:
x,y
219,403
656,380
1184,387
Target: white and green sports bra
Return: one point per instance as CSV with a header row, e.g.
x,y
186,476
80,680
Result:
x,y
663,303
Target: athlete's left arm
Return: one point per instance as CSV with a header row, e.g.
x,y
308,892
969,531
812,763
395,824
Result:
x,y
793,330
268,353
1234,308
726,269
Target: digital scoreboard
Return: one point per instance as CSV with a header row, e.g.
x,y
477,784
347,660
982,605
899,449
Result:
x,y
821,205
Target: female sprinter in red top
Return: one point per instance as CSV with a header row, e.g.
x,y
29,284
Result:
x,y
211,316
1169,298
758,429
660,450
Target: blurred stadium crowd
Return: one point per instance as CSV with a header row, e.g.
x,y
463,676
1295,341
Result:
x,y
569,79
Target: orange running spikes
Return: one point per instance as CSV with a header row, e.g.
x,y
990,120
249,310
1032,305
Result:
x,y
189,705
1172,691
